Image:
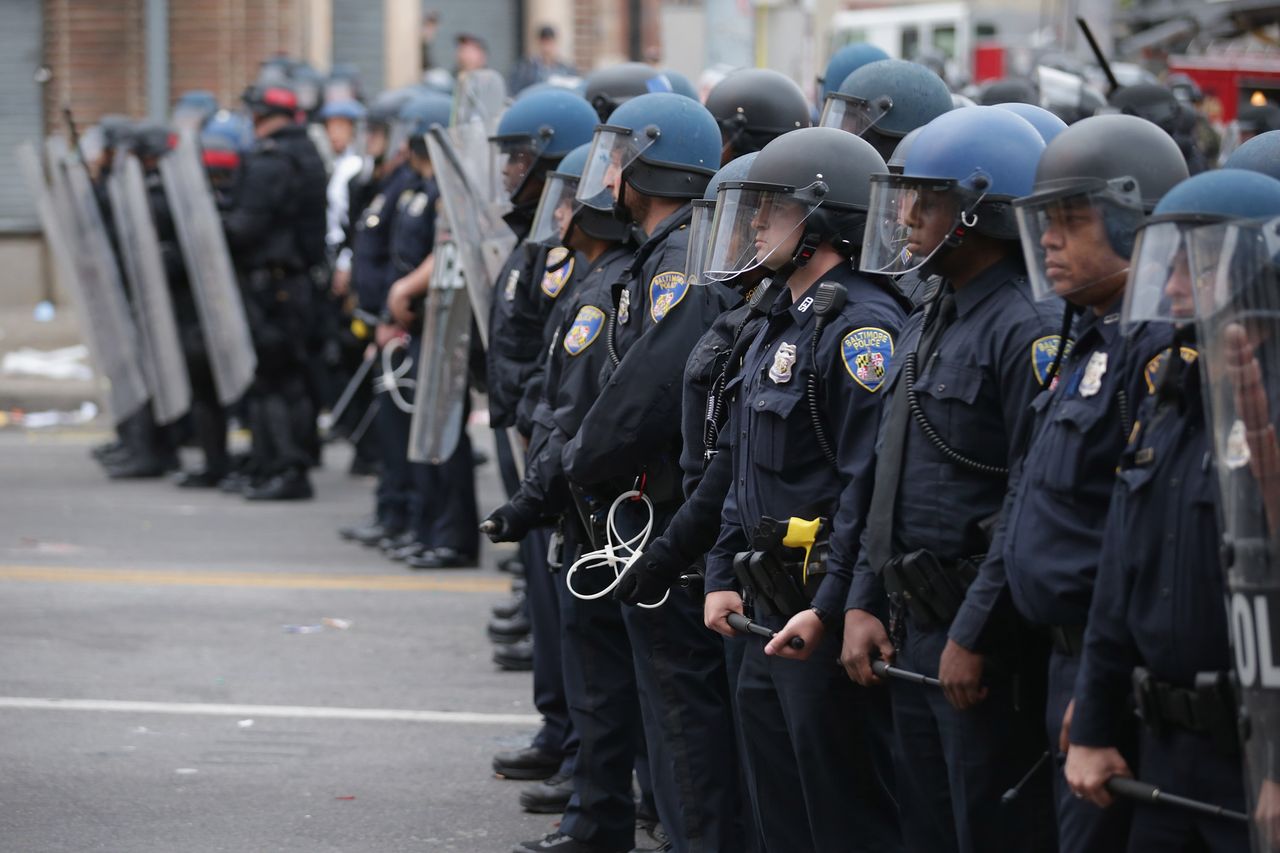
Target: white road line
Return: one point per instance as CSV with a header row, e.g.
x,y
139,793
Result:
x,y
299,712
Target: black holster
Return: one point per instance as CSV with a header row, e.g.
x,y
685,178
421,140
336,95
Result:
x,y
1209,708
931,590
774,576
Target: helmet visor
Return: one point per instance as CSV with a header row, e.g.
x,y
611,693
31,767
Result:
x,y
612,150
695,266
853,114
514,158
908,220
1075,239
1172,261
757,225
555,210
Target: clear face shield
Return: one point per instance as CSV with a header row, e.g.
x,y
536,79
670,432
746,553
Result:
x,y
853,114
758,225
555,210
1172,260
612,150
514,159
1079,237
695,265
908,220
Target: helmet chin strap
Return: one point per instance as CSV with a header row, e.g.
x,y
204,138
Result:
x,y
809,243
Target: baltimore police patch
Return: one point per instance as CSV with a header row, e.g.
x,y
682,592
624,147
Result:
x,y
557,272
585,329
1155,365
1043,353
665,292
866,353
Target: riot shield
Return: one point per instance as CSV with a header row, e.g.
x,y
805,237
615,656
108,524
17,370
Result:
x,y
213,281
86,267
440,400
163,362
1238,306
482,238
481,95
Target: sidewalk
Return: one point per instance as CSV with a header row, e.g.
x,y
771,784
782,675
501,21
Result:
x,y
19,330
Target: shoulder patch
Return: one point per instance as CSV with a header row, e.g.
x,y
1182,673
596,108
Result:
x,y
585,329
418,205
866,353
557,272
1043,352
666,289
1152,371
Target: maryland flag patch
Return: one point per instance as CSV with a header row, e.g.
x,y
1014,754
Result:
x,y
1156,365
665,292
1043,353
585,329
559,268
866,353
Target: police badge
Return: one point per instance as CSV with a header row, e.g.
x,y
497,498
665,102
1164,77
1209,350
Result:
x,y
1091,382
624,307
509,292
783,360
1237,453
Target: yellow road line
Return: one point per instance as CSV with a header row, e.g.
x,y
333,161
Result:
x,y
261,580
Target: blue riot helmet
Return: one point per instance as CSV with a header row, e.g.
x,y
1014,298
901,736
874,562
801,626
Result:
x,y
806,188
704,213
193,108
535,133
1095,183
234,127
423,111
1046,123
844,62
1259,154
309,86
343,83
1175,275
662,145
681,84
753,106
611,87
350,110
559,210
884,101
960,175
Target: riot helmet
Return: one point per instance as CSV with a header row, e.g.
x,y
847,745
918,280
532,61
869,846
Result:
x,y
884,101
662,144
611,87
422,112
704,210
1008,90
844,62
960,175
755,105
534,134
1046,123
275,99
1095,183
681,84
1259,154
193,108
560,211
804,189
899,157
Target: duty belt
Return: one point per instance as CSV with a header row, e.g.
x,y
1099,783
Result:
x,y
786,565
1067,639
1208,708
930,589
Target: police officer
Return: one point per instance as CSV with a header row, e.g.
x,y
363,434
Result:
x,y
844,62
802,429
657,152
1157,629
884,101
1094,184
752,107
531,138
264,229
1259,154
608,88
959,389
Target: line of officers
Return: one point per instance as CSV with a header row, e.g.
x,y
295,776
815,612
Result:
x,y
903,388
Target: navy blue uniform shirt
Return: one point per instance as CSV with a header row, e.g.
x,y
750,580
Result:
x,y
976,388
413,233
371,272
779,470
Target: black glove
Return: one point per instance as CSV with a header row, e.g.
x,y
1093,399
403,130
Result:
x,y
645,583
508,523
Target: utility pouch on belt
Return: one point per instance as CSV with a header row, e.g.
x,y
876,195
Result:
x,y
785,566
1209,708
931,590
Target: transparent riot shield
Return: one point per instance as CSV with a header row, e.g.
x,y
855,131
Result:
x,y
1238,306
482,238
440,400
86,267
481,96
163,362
213,281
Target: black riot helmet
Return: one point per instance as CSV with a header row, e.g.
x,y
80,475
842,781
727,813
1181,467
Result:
x,y
753,106
812,183
610,87
1008,90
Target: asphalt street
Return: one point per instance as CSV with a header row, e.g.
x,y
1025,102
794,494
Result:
x,y
185,671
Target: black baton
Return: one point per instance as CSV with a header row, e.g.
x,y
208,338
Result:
x,y
885,670
1123,786
743,625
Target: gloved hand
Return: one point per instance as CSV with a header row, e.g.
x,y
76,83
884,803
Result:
x,y
508,523
645,583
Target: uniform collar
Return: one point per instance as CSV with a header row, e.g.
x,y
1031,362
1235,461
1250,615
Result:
x,y
1106,325
986,283
801,310
674,222
608,256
